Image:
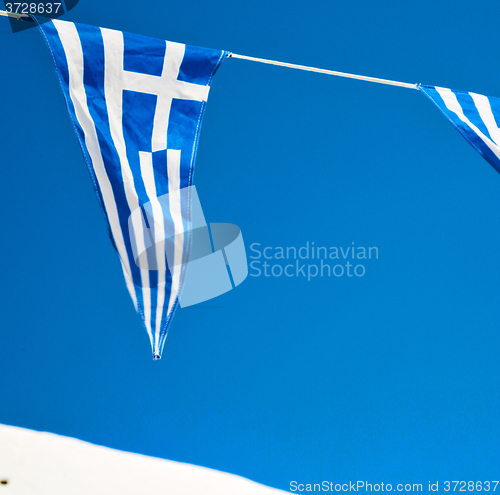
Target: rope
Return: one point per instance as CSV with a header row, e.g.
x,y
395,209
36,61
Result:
x,y
324,71
282,64
12,14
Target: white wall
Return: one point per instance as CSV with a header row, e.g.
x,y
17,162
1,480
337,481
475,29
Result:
x,y
35,463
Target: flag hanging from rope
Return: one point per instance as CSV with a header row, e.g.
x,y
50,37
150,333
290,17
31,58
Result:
x,y
475,116
136,104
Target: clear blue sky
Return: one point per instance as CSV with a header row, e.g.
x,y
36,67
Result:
x,y
391,377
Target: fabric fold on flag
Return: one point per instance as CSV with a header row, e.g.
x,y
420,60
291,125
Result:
x,y
137,104
475,116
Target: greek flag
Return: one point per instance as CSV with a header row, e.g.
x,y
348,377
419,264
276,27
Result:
x,y
475,116
137,104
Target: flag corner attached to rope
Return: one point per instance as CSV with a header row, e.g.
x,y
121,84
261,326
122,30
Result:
x,y
475,116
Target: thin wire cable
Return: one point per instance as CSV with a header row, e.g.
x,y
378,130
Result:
x,y
325,71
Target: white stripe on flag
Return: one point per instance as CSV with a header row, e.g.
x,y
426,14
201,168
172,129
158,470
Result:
x,y
146,160
174,197
484,108
74,56
113,90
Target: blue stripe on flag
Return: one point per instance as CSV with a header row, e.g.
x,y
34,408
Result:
x,y
133,57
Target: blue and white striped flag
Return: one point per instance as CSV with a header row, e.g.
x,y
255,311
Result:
x,y
475,116
136,104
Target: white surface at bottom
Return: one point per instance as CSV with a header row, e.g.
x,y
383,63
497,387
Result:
x,y
36,463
